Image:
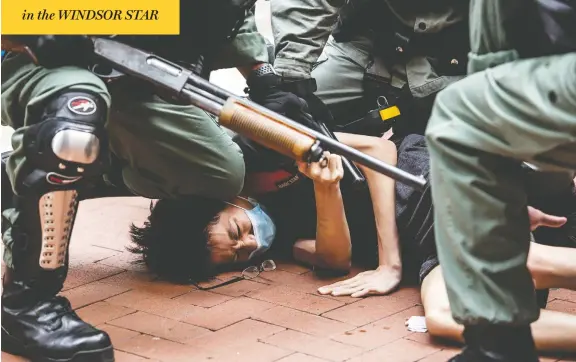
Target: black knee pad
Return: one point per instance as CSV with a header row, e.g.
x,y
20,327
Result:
x,y
68,145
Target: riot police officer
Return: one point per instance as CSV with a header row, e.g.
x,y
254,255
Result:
x,y
389,57
518,104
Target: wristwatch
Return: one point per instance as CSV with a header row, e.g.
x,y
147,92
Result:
x,y
263,69
262,76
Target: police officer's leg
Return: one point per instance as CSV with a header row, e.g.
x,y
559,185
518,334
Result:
x,y
59,145
480,131
339,76
171,150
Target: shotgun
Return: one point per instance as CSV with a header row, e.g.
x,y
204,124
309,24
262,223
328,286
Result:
x,y
240,115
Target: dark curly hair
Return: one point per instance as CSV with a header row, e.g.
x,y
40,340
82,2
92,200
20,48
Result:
x,y
173,240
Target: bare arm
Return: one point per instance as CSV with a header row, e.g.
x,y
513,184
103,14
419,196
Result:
x,y
301,29
333,244
332,248
382,193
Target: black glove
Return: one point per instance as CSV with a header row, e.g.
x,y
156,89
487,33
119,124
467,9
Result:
x,y
266,91
54,51
305,88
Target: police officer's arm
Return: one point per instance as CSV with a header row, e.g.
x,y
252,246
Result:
x,y
301,29
246,51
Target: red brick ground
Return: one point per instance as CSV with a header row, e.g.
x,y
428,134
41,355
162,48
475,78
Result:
x,y
278,317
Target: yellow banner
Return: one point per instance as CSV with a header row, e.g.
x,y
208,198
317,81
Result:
x,y
91,17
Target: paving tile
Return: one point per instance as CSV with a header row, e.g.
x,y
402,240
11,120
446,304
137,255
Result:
x,y
154,347
314,346
203,298
242,332
398,351
238,289
125,260
343,299
286,278
87,273
295,299
131,279
564,294
115,213
303,322
300,357
380,332
369,310
164,307
562,306
227,313
248,352
408,294
118,335
307,283
291,267
92,293
120,356
157,348
425,338
163,289
82,253
160,327
102,312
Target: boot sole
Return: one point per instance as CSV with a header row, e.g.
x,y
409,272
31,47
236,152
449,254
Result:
x,y
13,346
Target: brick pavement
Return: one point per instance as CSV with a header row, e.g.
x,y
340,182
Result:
x,y
277,317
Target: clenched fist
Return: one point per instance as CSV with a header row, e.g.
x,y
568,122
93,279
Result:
x,y
327,171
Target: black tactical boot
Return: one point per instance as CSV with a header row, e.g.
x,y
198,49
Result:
x,y
497,344
36,323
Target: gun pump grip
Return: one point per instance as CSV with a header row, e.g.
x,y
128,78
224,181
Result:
x,y
269,132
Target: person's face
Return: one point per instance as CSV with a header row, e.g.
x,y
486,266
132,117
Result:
x,y
232,239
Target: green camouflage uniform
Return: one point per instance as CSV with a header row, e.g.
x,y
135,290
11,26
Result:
x,y
166,150
302,28
508,110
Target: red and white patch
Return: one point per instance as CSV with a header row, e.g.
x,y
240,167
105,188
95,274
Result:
x,y
82,106
60,180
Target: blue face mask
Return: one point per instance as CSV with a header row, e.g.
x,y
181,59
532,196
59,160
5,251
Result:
x,y
262,225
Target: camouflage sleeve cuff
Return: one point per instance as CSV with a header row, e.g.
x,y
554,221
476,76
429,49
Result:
x,y
480,62
292,68
246,50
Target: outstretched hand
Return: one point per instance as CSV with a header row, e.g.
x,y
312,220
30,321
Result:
x,y
373,282
538,218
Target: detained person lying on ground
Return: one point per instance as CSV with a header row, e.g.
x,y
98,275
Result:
x,y
324,225
280,208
